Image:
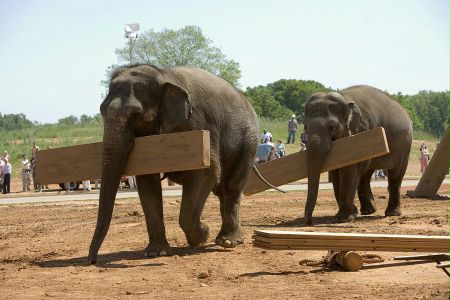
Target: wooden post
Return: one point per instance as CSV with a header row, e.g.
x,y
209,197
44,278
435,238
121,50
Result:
x,y
435,172
161,153
343,152
349,260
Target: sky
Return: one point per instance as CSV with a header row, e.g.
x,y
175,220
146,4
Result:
x,y
53,54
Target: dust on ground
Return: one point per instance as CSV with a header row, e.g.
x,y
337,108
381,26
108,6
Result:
x,y
43,249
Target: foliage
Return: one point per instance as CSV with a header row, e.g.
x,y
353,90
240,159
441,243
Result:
x,y
265,104
187,46
282,98
432,109
14,121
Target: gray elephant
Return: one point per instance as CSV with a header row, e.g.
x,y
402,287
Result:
x,y
331,116
145,100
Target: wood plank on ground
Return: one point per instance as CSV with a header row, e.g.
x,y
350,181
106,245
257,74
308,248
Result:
x,y
279,240
343,152
434,174
180,151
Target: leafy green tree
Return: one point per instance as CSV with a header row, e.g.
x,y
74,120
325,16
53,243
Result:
x,y
14,121
405,102
432,108
70,120
265,104
187,46
278,100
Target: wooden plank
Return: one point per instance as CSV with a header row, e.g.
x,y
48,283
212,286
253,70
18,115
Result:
x,y
373,242
434,174
346,248
150,154
279,240
346,236
343,152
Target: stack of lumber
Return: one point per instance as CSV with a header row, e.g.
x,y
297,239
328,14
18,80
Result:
x,y
293,240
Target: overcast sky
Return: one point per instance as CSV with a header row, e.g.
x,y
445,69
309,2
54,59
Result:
x,y
53,54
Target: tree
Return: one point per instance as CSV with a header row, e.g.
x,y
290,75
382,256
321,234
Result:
x,y
14,121
278,100
70,120
187,46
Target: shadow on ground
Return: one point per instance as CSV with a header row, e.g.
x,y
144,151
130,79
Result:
x,y
118,259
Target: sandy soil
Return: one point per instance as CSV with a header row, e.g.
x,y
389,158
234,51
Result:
x,y
43,250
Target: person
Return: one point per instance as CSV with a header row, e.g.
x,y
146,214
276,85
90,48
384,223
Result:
x,y
281,149
6,155
86,185
380,173
262,153
303,140
2,165
292,129
273,154
7,170
34,149
132,182
424,157
266,137
26,168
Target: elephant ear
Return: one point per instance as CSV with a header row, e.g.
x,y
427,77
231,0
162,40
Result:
x,y
175,107
354,117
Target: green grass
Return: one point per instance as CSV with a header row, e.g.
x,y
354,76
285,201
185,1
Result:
x,y
18,142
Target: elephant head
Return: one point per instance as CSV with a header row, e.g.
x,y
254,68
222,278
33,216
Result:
x,y
140,102
328,116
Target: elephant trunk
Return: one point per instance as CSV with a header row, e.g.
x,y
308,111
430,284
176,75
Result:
x,y
319,143
118,141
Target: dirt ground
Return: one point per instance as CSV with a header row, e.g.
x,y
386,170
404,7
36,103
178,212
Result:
x,y
43,249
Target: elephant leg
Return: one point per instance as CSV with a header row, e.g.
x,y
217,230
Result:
x,y
196,188
230,234
365,194
348,181
393,208
150,195
334,176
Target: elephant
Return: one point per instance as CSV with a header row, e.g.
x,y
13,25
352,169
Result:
x,y
146,100
334,115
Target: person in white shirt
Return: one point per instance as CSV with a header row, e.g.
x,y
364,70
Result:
x,y
26,178
7,169
266,137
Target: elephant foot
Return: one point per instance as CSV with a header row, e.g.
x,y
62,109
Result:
x,y
154,250
230,239
345,217
197,238
368,209
393,212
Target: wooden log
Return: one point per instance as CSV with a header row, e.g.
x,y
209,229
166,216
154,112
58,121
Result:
x,y
434,174
343,152
349,260
279,240
151,154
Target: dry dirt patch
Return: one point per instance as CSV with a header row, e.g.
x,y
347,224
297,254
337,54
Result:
x,y
43,250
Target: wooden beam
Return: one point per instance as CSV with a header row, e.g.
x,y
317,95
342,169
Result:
x,y
284,240
434,174
343,152
151,154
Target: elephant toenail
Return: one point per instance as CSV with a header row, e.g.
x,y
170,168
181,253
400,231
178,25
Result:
x,y
227,243
163,253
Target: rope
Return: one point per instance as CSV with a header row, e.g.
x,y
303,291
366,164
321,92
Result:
x,y
265,181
